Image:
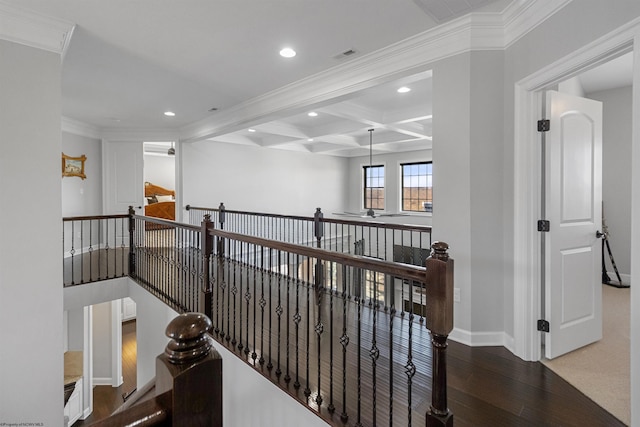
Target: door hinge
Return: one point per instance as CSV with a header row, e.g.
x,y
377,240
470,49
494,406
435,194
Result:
x,y
544,125
543,325
544,225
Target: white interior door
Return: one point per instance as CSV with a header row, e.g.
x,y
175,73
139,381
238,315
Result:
x,y
123,185
573,289
124,165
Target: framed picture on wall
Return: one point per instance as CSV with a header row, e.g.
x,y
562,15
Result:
x,y
73,166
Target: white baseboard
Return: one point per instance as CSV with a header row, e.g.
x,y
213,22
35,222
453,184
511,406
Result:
x,y
102,381
86,413
482,339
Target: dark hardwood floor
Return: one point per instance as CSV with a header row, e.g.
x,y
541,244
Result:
x,y
107,399
488,386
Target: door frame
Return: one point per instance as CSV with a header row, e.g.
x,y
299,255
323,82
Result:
x,y
528,106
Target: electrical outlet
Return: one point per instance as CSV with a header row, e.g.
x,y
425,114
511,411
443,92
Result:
x,y
456,294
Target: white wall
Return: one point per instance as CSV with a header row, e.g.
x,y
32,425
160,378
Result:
x,y
152,318
487,252
160,170
452,172
31,389
616,173
83,196
262,180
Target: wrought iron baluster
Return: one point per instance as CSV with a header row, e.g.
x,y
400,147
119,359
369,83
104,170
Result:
x,y
279,309
359,352
241,266
287,376
219,279
106,248
344,341
307,390
319,328
392,314
247,297
270,279
254,355
263,303
374,352
410,368
228,261
234,290
91,250
331,406
296,319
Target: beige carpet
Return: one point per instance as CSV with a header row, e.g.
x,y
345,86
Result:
x,y
601,370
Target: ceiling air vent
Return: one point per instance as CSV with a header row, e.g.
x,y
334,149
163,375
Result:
x,y
345,54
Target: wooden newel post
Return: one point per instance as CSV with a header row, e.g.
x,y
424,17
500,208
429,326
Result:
x,y
191,370
206,300
132,253
440,322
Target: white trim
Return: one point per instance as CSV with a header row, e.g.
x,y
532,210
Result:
x,y
77,127
102,381
28,28
522,17
481,339
87,360
116,342
141,135
527,341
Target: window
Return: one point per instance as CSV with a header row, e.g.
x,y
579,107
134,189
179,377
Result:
x,y
374,187
374,285
417,187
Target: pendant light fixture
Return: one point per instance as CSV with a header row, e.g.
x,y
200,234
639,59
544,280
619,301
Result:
x,y
171,151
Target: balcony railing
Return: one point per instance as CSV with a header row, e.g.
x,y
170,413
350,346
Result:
x,y
409,244
95,248
357,339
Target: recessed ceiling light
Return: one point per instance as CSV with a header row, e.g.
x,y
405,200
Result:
x,y
251,130
310,139
287,52
312,114
169,113
404,89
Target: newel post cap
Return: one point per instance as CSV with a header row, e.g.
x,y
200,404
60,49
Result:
x,y
189,341
439,250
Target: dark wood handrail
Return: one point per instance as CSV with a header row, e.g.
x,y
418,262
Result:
x,y
153,412
93,217
167,222
404,271
391,226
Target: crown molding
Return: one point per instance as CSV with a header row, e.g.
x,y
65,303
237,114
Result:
x,y
522,17
144,135
34,30
77,127
475,31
